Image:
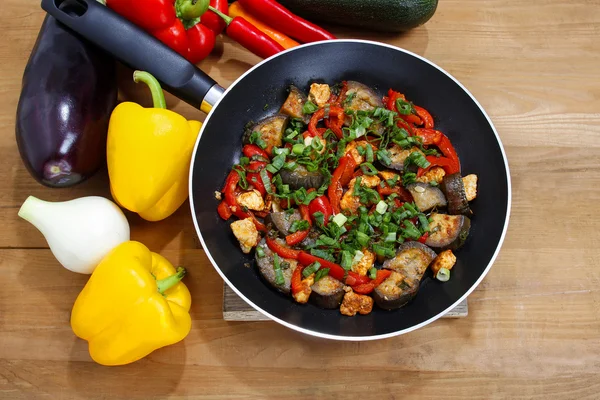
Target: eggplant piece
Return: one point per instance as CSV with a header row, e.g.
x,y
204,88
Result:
x,y
398,155
395,291
69,90
271,130
447,231
294,103
409,265
360,97
266,268
426,196
328,292
283,220
301,177
454,189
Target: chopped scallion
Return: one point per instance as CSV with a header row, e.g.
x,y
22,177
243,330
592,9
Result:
x,y
443,275
373,273
381,207
340,219
311,269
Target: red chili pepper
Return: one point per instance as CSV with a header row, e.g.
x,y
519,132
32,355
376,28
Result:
x,y
281,250
159,18
298,236
340,178
231,199
336,111
249,36
335,271
425,117
429,136
251,150
212,20
320,204
366,288
277,16
224,210
296,281
423,238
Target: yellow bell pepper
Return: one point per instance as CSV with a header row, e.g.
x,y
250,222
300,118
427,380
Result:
x,y
148,154
133,304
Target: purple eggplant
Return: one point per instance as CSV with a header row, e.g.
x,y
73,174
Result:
x,y
69,91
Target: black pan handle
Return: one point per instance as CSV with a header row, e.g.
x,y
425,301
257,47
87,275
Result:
x,y
139,50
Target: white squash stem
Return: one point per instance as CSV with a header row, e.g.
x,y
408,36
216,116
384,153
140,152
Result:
x,y
79,232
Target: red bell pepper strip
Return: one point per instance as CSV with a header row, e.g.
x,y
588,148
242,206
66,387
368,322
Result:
x,y
429,136
335,271
224,210
296,281
423,238
231,199
340,178
277,16
425,117
320,133
366,288
335,121
391,105
336,127
449,166
251,150
211,20
298,236
336,100
320,204
159,17
281,250
409,128
448,150
249,36
402,193
253,175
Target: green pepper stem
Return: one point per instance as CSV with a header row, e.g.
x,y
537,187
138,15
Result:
x,y
167,283
226,18
158,97
190,9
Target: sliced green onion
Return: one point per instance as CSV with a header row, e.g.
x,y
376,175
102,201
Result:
x,y
404,107
316,143
260,252
281,150
410,231
408,178
309,107
244,160
290,166
340,219
279,279
356,187
443,275
322,254
292,135
298,149
299,225
264,177
373,273
362,238
418,159
346,260
381,207
311,269
358,255
321,274
391,237
319,218
424,223
325,240
369,153
368,169
243,182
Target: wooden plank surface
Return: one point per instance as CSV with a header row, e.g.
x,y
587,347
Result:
x,y
236,309
533,330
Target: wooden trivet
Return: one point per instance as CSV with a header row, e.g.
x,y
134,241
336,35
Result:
x,y
236,309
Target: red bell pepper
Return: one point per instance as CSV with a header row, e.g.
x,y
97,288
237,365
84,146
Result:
x,y
336,119
249,36
251,150
224,210
277,16
159,17
320,204
429,136
298,236
402,193
337,99
340,178
335,271
281,250
230,190
423,238
366,288
320,132
425,117
296,281
211,20
253,174
450,162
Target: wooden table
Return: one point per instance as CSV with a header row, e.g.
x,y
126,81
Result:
x,y
533,329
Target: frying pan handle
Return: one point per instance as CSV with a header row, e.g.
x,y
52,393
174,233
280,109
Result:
x,y
134,47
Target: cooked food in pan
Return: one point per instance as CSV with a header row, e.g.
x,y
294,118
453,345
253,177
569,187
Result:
x,y
347,198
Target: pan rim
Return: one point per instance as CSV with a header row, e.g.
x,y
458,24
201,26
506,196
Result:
x,y
341,337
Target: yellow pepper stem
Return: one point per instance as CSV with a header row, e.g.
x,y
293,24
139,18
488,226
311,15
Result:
x,y
170,281
158,97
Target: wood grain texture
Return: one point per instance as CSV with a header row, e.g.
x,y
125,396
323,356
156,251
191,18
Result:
x,y
533,330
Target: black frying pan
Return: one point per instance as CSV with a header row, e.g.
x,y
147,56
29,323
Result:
x,y
455,110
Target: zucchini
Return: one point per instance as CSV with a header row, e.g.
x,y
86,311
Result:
x,y
447,231
378,15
